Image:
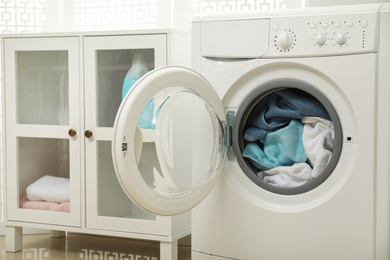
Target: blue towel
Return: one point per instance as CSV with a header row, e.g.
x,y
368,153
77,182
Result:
x,y
278,108
283,147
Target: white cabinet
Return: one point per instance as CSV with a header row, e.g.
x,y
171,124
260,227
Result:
x,y
61,95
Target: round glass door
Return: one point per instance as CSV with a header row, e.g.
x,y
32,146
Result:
x,y
169,144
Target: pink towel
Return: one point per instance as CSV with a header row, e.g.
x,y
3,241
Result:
x,y
43,205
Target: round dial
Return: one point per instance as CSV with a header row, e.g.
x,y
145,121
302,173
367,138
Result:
x,y
285,40
320,39
341,38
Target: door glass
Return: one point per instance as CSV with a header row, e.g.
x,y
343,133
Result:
x,y
179,142
42,87
43,166
117,71
112,201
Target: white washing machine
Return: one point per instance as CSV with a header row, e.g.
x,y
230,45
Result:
x,y
247,67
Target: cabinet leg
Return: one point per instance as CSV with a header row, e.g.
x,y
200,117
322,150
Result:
x,y
13,239
168,250
57,234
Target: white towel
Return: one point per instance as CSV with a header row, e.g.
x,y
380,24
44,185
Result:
x,y
318,140
49,188
287,176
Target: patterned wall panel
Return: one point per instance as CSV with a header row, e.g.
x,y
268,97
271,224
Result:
x,y
115,14
144,14
22,16
212,6
223,6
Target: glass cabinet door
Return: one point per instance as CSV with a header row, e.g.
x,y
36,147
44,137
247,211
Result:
x,y
112,65
42,130
42,87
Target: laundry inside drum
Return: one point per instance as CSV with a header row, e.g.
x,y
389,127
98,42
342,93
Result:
x,y
288,138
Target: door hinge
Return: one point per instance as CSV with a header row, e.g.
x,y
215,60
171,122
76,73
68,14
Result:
x,y
228,135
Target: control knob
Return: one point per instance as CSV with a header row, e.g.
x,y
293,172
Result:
x,y
285,40
320,39
341,38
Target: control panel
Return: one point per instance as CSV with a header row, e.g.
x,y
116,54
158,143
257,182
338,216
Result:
x,y
323,35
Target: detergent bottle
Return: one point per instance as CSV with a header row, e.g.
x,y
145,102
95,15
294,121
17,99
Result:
x,y
137,70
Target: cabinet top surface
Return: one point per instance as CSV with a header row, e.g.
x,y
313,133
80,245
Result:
x,y
95,33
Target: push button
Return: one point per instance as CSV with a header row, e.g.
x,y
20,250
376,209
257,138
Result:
x,y
364,24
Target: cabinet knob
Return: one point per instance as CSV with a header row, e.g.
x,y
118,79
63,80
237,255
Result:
x,y
72,132
88,134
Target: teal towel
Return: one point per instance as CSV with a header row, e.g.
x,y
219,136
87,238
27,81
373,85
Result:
x,y
283,147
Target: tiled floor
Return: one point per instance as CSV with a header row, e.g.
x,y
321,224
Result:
x,y
85,247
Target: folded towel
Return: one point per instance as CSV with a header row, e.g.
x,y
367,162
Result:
x,y
276,110
283,147
43,205
288,176
318,139
49,188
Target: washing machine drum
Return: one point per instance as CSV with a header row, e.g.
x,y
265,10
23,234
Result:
x,y
287,137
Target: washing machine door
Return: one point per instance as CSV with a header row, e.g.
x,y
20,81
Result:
x,y
169,144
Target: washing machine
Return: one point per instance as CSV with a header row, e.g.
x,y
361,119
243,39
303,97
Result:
x,y
308,92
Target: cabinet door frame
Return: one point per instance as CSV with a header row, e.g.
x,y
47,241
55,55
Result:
x,y
14,130
160,225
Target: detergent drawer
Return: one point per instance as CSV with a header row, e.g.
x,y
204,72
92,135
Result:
x,y
235,39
